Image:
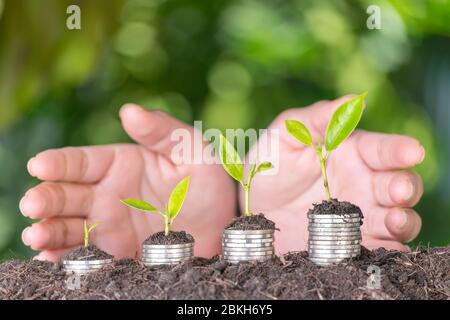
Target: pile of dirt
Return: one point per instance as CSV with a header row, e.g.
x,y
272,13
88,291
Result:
x,y
334,206
253,222
90,252
174,237
422,274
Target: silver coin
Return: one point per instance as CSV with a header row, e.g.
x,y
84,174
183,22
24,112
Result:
x,y
345,215
348,235
247,232
316,230
163,251
335,220
328,247
154,260
229,260
240,240
165,256
248,249
168,246
87,262
334,256
333,225
248,236
246,254
247,245
333,252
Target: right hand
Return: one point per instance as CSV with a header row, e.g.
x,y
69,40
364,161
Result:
x,y
88,183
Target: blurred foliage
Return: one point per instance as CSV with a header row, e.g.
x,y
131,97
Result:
x,y
230,63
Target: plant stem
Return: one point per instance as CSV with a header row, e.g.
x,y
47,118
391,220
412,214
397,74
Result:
x,y
167,224
86,240
247,212
323,167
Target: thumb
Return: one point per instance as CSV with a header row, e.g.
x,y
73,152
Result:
x,y
152,129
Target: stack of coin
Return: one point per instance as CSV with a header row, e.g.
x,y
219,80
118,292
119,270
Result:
x,y
158,254
333,238
85,266
247,245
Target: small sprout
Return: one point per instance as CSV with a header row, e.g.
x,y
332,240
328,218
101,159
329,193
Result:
x,y
173,207
342,124
87,230
232,164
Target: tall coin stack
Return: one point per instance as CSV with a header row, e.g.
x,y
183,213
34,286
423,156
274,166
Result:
x,y
333,238
247,245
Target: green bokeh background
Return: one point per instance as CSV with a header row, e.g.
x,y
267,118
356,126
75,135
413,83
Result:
x,y
229,63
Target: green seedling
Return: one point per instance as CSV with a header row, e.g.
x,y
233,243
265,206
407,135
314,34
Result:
x,y
173,207
87,230
232,164
342,124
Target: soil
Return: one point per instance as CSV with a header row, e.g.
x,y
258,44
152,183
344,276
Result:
x,y
334,206
253,222
422,274
90,252
174,237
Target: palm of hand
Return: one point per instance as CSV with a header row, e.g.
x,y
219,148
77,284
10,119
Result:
x,y
359,171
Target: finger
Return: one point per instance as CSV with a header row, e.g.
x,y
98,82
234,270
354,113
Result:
x,y
388,151
50,199
397,189
53,255
54,234
373,243
153,129
374,224
403,224
72,164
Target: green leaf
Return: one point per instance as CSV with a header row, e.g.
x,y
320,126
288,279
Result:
x,y
264,166
177,198
231,161
254,169
140,205
299,131
344,121
93,226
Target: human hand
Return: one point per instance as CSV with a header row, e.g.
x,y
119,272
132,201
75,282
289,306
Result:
x,y
365,170
89,182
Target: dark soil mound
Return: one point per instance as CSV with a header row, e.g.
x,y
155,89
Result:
x,y
90,252
334,206
423,274
174,237
254,222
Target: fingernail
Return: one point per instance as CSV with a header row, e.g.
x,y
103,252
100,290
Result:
x,y
408,190
127,106
25,236
22,204
32,204
30,166
422,157
404,221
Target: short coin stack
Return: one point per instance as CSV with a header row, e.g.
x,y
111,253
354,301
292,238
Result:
x,y
159,254
85,266
247,245
333,238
